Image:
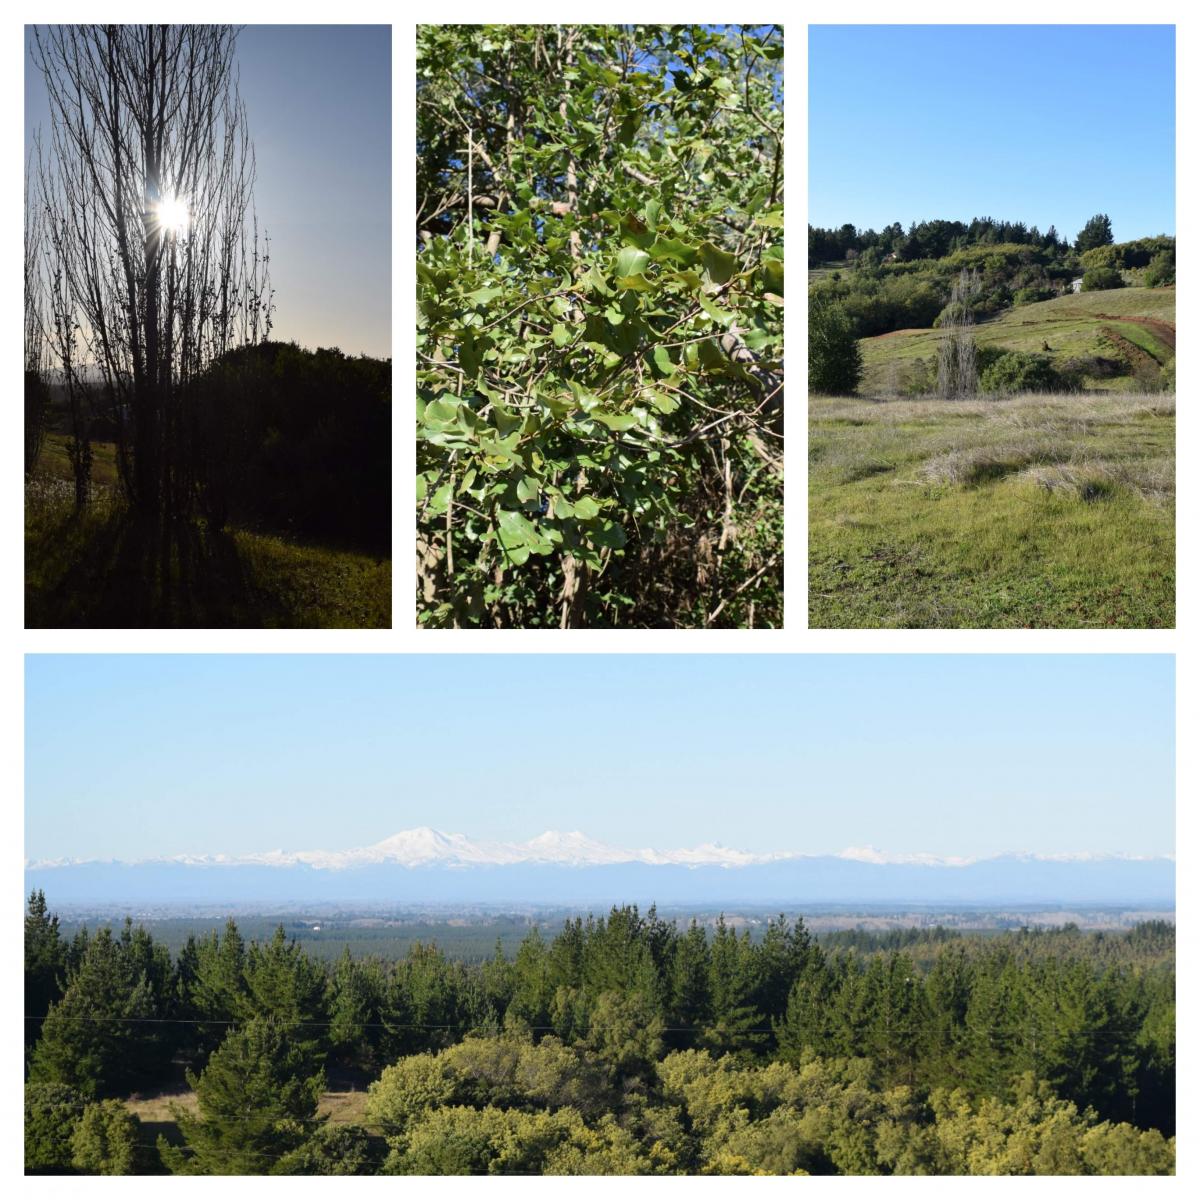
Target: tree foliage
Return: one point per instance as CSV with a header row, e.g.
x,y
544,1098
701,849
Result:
x,y
1096,232
258,1103
834,358
625,1044
600,290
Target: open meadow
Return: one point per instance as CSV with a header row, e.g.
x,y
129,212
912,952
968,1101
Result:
x,y
1019,509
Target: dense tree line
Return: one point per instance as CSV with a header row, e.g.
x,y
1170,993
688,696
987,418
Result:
x,y
896,280
623,1044
927,239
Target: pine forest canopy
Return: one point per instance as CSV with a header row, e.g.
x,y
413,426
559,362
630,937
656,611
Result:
x,y
600,289
624,1044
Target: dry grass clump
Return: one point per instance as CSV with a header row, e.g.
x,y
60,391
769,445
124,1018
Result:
x,y
975,465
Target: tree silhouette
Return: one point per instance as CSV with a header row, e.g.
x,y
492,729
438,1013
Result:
x,y
154,265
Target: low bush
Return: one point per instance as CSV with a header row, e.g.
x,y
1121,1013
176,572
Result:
x,y
1019,371
1102,279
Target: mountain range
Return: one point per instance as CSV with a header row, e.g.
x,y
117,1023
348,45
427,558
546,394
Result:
x,y
427,865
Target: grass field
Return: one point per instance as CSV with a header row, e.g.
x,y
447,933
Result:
x,y
1027,511
1132,328
101,569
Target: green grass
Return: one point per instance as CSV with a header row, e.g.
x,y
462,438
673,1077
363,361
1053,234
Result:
x,y
1072,326
1029,511
103,569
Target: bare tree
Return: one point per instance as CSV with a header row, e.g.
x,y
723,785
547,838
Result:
x,y
957,373
155,265
37,395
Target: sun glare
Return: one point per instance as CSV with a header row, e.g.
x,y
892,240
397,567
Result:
x,y
173,215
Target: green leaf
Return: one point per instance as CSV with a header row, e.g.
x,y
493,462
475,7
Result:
x,y
559,405
584,399
635,232
662,360
529,489
516,531
560,335
689,279
664,404
772,219
631,261
617,422
585,508
482,295
634,283
441,412
506,421
722,316
673,248
721,267
772,275
609,534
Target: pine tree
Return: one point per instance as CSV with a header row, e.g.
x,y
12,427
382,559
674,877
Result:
x,y
736,1025
99,1038
1097,232
806,1026
286,986
217,994
45,964
258,1102
691,1002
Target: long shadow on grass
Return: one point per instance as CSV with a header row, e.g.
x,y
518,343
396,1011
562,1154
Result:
x,y
125,571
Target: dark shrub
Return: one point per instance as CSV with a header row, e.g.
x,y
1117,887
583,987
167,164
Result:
x,y
834,358
1101,279
1017,371
1161,271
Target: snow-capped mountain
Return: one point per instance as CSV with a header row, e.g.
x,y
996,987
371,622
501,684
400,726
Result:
x,y
555,867
423,847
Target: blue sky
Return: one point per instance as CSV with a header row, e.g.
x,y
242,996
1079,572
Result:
x,y
319,103
1045,124
140,755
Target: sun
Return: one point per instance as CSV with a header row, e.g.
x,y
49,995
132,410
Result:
x,y
172,213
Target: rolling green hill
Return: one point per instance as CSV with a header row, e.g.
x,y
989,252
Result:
x,y
1122,335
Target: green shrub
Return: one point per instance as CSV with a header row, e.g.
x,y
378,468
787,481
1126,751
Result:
x,y
1161,271
1102,279
1018,371
52,1111
1031,295
834,357
1102,256
1168,375
105,1141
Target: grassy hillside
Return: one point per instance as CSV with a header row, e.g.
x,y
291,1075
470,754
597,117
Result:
x,y
1031,510
1122,332
102,570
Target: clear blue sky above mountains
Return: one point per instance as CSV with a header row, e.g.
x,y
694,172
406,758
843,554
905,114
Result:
x,y
954,755
319,103
1045,124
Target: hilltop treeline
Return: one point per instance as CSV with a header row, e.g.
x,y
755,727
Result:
x,y
899,279
624,1044
298,441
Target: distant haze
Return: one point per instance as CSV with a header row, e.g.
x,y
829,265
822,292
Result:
x,y
428,866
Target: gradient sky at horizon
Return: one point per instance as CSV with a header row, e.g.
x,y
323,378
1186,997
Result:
x,y
1046,124
144,755
319,103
